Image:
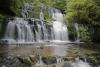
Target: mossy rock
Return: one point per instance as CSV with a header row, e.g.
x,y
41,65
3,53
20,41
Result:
x,y
49,60
34,59
94,59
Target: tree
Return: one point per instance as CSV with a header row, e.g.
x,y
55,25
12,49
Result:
x,y
81,11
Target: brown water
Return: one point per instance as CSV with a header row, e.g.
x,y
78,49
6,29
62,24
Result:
x,y
69,51
47,50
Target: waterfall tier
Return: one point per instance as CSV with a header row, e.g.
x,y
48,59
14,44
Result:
x,y
19,30
28,30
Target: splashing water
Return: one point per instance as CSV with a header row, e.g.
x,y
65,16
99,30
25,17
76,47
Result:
x,y
80,63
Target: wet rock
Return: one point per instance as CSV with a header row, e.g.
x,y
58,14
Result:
x,y
5,42
31,21
19,61
33,59
25,60
10,61
49,60
67,65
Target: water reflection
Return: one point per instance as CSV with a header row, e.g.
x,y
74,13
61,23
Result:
x,y
52,55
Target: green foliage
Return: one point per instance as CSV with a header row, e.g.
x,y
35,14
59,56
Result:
x,y
15,6
1,18
97,1
60,4
1,21
84,34
84,12
72,32
5,7
81,11
94,59
12,7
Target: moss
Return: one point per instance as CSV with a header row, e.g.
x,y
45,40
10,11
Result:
x,y
12,7
72,32
93,59
49,60
15,6
1,23
1,18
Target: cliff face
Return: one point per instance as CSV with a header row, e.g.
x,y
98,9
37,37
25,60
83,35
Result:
x,y
11,7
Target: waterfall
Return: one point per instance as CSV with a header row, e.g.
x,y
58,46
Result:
x,y
60,31
26,29
40,62
10,30
77,30
59,28
39,33
19,30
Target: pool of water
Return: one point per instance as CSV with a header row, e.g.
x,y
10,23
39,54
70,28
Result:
x,y
45,55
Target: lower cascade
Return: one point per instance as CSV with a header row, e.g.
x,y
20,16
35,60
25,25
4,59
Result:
x,y
60,31
19,30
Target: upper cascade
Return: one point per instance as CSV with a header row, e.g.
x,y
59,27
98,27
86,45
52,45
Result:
x,y
57,15
59,28
28,30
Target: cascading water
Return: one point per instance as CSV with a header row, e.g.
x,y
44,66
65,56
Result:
x,y
26,9
40,62
43,25
77,30
59,28
19,30
10,30
80,63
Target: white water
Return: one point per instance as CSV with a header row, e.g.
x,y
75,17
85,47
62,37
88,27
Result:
x,y
80,63
40,62
59,28
19,30
10,30
77,30
60,31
